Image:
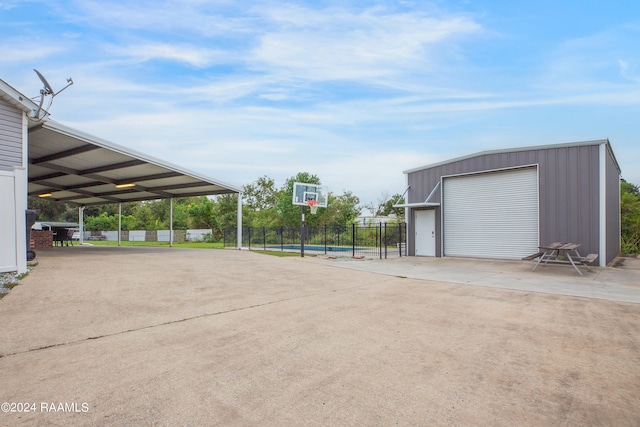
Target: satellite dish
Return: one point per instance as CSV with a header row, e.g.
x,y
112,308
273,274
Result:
x,y
47,90
47,86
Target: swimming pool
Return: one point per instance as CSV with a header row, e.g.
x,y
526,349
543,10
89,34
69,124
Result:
x,y
317,248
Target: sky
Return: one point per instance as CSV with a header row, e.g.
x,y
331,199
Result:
x,y
353,91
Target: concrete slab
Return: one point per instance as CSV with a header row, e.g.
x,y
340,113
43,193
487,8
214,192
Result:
x,y
144,336
620,283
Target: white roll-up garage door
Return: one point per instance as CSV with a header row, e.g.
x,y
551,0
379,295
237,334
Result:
x,y
491,215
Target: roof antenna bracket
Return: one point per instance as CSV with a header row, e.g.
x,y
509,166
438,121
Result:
x,y
45,91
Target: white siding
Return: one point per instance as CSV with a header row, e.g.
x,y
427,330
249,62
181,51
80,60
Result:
x,y
8,255
10,136
491,215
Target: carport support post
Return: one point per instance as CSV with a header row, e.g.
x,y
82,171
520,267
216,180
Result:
x,y
119,221
81,221
170,222
239,232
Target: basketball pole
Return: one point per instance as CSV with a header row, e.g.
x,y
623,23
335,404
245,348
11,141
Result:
x,y
302,232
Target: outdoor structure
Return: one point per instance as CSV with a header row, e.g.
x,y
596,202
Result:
x,y
503,204
43,158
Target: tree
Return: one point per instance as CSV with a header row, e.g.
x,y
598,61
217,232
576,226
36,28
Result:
x,y
260,194
387,207
181,215
260,199
384,206
160,210
144,219
630,217
52,211
341,210
225,213
201,213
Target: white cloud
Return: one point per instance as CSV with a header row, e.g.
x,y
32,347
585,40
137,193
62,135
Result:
x,y
341,45
168,16
626,71
20,50
591,63
199,57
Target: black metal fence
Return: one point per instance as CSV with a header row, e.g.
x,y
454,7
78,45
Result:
x,y
380,240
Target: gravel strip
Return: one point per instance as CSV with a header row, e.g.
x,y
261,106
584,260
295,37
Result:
x,y
7,279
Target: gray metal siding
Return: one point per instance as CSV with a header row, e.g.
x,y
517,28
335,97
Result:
x,y
613,208
10,136
569,195
569,188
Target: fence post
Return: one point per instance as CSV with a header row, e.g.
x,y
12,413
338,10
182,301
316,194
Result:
x,y
264,238
400,239
353,239
380,239
325,239
249,238
281,239
385,240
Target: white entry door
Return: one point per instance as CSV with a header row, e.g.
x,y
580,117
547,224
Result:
x,y
426,232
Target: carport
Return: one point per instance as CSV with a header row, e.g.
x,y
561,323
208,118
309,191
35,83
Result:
x,y
67,165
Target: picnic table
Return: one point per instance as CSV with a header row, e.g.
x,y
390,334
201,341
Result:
x,y
562,253
63,236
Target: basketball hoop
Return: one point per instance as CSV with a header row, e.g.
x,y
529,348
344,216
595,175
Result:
x,y
313,204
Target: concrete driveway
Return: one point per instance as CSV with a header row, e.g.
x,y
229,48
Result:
x,y
155,336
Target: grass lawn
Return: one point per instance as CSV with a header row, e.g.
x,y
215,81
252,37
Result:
x,y
199,245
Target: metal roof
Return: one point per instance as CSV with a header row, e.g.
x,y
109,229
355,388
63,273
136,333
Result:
x,y
510,150
39,225
83,169
15,98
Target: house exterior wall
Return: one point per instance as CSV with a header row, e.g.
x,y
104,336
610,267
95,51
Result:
x,y
569,191
13,188
10,136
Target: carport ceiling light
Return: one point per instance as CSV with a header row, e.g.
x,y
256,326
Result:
x,y
127,185
44,195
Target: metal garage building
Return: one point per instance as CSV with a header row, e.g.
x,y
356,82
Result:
x,y
503,204
45,158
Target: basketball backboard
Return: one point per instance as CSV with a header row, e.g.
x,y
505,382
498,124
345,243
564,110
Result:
x,y
302,193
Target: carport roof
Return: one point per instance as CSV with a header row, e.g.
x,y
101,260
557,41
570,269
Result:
x,y
79,168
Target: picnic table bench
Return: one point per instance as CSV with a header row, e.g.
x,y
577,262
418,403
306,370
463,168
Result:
x,y
561,253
